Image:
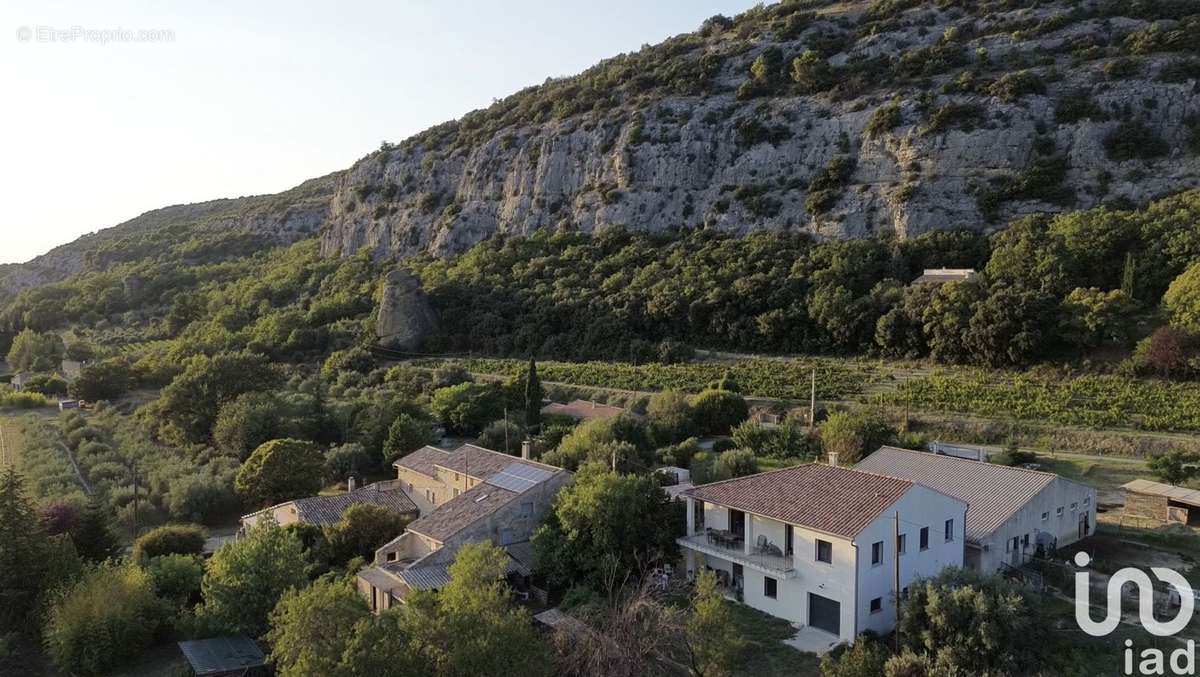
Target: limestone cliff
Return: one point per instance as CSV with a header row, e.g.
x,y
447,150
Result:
x,y
929,116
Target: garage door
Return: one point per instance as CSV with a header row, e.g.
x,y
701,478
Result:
x,y
825,614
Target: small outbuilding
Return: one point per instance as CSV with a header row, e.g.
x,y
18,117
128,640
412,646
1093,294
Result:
x,y
237,656
1161,502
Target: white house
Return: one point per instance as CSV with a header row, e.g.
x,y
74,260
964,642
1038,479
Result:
x,y
823,546
1013,510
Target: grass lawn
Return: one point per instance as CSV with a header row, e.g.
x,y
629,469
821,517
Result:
x,y
765,654
1106,474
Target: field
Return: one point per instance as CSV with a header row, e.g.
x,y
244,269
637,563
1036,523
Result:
x,y
1102,402
1089,401
11,439
776,379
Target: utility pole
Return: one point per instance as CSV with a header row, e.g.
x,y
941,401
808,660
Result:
x,y
812,402
896,572
506,429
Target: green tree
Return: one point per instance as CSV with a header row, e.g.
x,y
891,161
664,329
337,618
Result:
x,y
361,530
811,72
712,639
467,407
31,351
103,618
312,627
189,405
980,625
176,578
534,394
245,580
1091,317
865,658
93,534
501,435
104,380
1182,300
280,470
23,547
716,411
1175,466
605,527
734,463
170,539
405,435
594,440
385,646
670,416
851,436
355,360
471,626
249,420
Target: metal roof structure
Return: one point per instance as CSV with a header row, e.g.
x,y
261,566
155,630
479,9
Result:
x,y
519,477
993,492
222,655
1179,494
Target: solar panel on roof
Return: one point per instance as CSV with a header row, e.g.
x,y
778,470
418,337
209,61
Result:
x,y
519,477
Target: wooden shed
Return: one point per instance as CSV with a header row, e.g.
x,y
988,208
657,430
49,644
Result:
x,y
1162,502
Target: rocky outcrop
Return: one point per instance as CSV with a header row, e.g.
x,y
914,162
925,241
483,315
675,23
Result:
x,y
405,315
720,162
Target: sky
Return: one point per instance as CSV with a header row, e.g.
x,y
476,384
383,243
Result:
x,y
111,109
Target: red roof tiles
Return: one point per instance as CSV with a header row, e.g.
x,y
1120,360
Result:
x,y
826,498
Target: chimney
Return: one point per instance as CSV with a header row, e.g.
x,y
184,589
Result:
x,y
833,458
352,482
527,450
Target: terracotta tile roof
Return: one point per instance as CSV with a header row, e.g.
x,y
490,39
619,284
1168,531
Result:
x,y
826,498
329,509
993,492
462,511
583,409
422,460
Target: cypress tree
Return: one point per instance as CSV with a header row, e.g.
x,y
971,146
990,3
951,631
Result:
x,y
533,399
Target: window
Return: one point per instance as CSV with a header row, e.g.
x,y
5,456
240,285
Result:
x,y
924,538
824,551
770,587
392,556
788,541
902,544
457,477
876,553
1087,500
1045,516
527,509
1059,512
877,605
1025,541
949,530
738,571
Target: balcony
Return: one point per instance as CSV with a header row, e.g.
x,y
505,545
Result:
x,y
735,551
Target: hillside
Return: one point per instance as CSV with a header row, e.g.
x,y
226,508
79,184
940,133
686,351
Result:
x,y
189,232
840,120
835,119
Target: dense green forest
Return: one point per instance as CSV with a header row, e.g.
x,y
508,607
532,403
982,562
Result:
x,y
1050,288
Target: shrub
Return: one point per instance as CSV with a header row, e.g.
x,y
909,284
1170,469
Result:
x,y
716,411
347,459
352,360
964,116
826,187
467,407
1134,141
47,385
735,463
1012,86
109,615
23,400
1075,107
1119,69
280,470
176,578
883,120
171,539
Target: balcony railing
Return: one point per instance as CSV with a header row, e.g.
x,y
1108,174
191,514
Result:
x,y
778,565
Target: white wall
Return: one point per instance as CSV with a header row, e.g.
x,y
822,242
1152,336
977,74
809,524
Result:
x,y
1028,520
919,507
